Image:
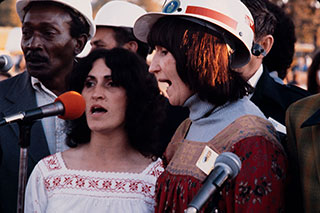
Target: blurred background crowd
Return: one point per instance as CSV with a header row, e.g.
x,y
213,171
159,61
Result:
x,y
304,13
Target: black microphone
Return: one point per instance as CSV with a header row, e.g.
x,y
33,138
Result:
x,y
227,165
69,106
5,63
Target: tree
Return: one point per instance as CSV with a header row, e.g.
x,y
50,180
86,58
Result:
x,y
306,17
8,13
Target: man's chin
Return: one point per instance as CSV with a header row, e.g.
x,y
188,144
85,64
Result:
x,y
37,71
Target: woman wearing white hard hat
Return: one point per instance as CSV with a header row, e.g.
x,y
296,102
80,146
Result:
x,y
197,45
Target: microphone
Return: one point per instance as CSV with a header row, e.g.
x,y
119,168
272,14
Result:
x,y
5,63
227,165
70,105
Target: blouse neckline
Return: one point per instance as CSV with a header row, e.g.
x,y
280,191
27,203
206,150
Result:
x,y
145,171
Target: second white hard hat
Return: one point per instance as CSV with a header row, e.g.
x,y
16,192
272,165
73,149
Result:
x,y
118,14
231,15
81,6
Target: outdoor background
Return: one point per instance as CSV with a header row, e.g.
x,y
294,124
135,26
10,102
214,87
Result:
x,y
305,14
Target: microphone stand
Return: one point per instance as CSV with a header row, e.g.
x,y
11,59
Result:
x,y
24,143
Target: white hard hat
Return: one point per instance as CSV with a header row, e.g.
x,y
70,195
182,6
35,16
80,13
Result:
x,y
118,14
230,15
81,6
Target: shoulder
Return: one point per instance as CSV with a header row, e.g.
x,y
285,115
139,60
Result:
x,y
290,92
50,163
155,168
20,77
298,90
15,84
254,127
305,107
308,103
300,111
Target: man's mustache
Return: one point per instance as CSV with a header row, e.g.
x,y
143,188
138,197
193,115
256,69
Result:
x,y
33,56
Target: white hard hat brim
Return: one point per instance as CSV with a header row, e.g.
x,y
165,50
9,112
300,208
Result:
x,y
20,5
144,24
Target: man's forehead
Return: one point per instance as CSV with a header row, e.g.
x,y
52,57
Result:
x,y
46,10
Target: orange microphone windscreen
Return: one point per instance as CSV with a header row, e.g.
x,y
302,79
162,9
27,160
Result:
x,y
74,105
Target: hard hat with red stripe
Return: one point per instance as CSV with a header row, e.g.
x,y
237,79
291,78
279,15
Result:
x,y
232,17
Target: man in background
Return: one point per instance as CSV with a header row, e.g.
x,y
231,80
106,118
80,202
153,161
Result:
x,y
270,95
54,32
114,22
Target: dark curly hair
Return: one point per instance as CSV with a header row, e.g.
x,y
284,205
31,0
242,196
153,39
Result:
x,y
202,59
145,110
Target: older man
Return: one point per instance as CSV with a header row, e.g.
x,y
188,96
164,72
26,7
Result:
x,y
54,32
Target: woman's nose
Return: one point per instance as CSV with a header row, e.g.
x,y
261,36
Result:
x,y
98,93
154,66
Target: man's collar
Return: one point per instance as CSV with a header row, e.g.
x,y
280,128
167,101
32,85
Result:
x,y
255,78
38,86
312,120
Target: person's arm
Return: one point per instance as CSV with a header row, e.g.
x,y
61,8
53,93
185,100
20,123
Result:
x,y
36,195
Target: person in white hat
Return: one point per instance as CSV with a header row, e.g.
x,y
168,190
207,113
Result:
x,y
53,33
114,22
198,44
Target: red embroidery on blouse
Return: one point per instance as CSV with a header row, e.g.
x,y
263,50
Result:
x,y
52,163
99,184
156,169
88,183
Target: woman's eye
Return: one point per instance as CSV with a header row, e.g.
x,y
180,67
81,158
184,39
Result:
x,y
111,84
164,52
88,84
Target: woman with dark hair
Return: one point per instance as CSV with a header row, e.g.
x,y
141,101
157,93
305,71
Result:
x,y
314,75
197,46
113,163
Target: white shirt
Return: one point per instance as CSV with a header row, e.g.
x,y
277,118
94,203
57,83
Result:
x,y
52,187
54,127
253,82
255,78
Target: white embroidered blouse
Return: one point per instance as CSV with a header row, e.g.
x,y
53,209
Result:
x,y
52,187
